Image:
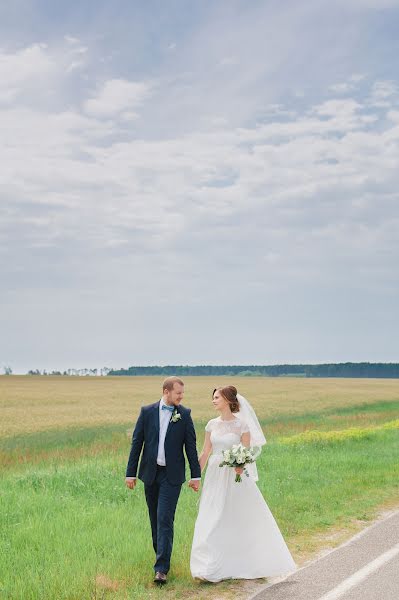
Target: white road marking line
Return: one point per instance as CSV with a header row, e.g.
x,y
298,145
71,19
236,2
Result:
x,y
358,577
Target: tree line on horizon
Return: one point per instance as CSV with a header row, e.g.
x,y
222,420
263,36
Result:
x,y
348,369
72,372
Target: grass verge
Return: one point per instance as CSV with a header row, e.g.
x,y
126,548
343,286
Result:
x,y
72,531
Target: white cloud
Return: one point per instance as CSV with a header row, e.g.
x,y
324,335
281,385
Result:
x,y
283,170
77,161
341,88
117,96
71,40
356,77
263,168
384,89
74,65
345,87
34,76
25,66
228,61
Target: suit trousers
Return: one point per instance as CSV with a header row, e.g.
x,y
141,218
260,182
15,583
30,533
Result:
x,y
162,499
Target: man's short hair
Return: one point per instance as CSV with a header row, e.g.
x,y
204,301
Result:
x,y
169,382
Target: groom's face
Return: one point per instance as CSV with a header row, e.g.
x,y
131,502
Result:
x,y
174,396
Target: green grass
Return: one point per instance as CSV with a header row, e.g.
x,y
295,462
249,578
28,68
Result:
x,y
314,486
31,447
338,418
62,438
70,530
67,526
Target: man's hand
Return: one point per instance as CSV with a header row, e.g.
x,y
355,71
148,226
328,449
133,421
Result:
x,y
195,485
131,482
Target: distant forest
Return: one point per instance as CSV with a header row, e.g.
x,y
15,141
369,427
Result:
x,y
349,369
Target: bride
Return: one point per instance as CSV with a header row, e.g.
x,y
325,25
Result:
x,y
235,533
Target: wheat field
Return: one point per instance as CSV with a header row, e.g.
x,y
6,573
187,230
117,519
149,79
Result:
x,y
32,403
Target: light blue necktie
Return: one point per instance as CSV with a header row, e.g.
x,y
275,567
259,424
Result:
x,y
169,408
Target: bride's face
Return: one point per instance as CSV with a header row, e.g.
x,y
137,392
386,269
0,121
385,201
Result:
x,y
218,401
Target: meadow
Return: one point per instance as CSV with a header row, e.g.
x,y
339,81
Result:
x,y
70,530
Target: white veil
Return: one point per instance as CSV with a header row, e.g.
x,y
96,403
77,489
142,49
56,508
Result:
x,y
248,416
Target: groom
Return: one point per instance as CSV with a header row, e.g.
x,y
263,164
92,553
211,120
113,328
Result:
x,y
163,428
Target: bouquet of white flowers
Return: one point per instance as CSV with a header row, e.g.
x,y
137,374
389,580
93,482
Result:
x,y
239,456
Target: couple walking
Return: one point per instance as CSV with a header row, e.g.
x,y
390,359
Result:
x,y
235,533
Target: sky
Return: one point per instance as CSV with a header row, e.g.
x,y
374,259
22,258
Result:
x,y
198,182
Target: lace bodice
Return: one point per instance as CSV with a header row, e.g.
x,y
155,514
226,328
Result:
x,y
225,433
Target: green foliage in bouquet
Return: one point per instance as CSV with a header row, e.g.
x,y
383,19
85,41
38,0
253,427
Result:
x,y
239,456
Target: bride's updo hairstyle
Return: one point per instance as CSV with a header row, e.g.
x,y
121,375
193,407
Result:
x,y
229,393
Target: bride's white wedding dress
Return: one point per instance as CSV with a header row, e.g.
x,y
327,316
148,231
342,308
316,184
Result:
x,y
235,533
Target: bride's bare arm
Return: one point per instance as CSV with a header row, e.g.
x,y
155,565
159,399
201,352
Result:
x,y
246,439
206,450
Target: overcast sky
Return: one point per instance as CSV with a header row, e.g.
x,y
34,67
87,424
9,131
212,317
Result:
x,y
198,182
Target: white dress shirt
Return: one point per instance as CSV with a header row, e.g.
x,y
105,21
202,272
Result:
x,y
164,418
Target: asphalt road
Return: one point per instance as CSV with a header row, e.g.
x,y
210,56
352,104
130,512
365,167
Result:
x,y
365,568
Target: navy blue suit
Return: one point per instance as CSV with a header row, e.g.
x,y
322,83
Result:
x,y
163,484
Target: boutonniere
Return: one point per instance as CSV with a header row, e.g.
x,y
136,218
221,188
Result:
x,y
176,416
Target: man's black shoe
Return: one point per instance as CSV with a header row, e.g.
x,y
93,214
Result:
x,y
160,578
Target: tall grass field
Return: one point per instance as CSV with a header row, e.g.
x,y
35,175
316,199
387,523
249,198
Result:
x,y
70,530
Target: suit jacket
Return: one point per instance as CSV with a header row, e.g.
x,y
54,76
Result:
x,y
146,440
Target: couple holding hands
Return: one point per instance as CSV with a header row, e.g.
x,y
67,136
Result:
x,y
235,536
